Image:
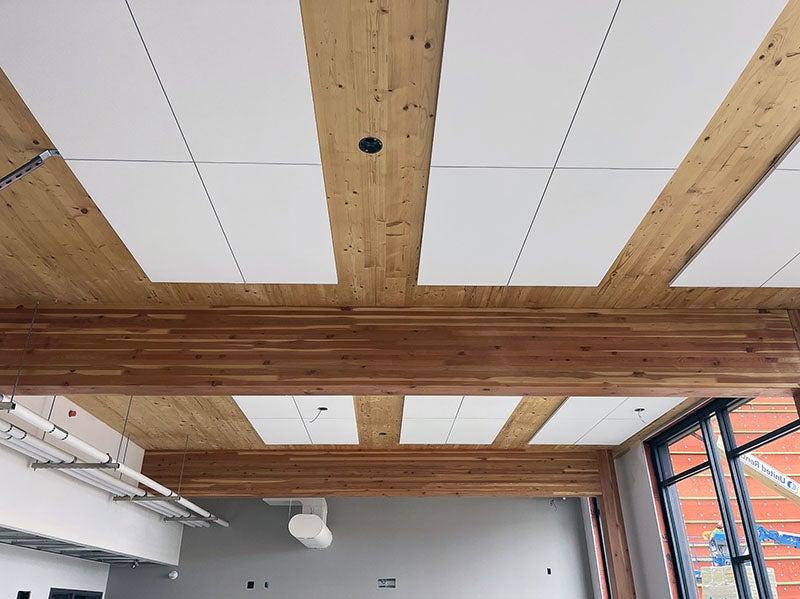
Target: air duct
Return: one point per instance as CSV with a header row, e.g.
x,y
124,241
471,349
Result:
x,y
309,527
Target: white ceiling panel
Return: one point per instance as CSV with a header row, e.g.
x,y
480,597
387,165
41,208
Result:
x,y
475,431
276,218
333,431
82,70
479,406
499,78
475,223
339,406
431,406
237,77
584,221
425,430
755,243
654,407
588,407
266,406
646,108
562,431
278,431
788,276
611,432
163,216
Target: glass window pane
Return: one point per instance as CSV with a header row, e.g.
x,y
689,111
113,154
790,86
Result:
x,y
772,475
688,451
761,415
702,523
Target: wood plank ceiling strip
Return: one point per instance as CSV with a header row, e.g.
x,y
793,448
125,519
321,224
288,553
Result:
x,y
379,418
383,351
529,416
159,422
376,472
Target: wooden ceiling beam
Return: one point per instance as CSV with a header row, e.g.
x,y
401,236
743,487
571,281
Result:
x,y
373,473
379,418
382,351
525,421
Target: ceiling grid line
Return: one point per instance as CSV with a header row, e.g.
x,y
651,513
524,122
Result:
x,y
185,141
303,420
453,424
563,143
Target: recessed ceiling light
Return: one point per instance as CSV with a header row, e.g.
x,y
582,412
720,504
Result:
x,y
370,145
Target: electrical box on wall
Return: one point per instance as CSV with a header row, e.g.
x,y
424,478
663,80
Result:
x,y
387,583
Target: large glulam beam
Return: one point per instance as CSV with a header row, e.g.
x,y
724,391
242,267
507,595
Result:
x,y
400,351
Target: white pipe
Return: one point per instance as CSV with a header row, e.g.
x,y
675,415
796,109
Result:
x,y
36,449
96,455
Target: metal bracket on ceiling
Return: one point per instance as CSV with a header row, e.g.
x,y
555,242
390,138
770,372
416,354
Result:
x,y
7,406
74,466
190,519
28,167
138,498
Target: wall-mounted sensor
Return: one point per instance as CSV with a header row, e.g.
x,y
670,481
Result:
x,y
370,145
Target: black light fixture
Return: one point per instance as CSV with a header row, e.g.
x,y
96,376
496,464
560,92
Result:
x,y
370,145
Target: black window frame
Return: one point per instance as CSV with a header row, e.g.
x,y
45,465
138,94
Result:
x,y
701,419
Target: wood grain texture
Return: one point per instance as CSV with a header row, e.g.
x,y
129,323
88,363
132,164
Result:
x,y
529,416
379,418
372,473
392,351
370,77
158,422
620,572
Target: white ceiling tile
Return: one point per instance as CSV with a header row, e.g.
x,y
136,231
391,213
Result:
x,y
163,216
82,70
654,407
477,431
425,430
754,243
611,432
237,77
584,221
509,103
587,408
276,218
646,108
475,223
431,406
277,431
333,431
788,276
479,406
339,406
267,406
562,431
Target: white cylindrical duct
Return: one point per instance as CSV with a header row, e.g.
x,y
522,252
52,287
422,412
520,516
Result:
x,y
92,454
311,531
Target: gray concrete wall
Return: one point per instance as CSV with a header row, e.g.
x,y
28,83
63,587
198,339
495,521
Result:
x,y
461,548
641,525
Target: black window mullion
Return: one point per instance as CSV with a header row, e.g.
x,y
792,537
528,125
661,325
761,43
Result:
x,y
729,522
745,507
678,541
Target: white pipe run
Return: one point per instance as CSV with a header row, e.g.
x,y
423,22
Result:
x,y
19,440
95,455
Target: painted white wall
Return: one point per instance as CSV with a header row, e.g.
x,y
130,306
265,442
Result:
x,y
52,504
645,542
38,572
